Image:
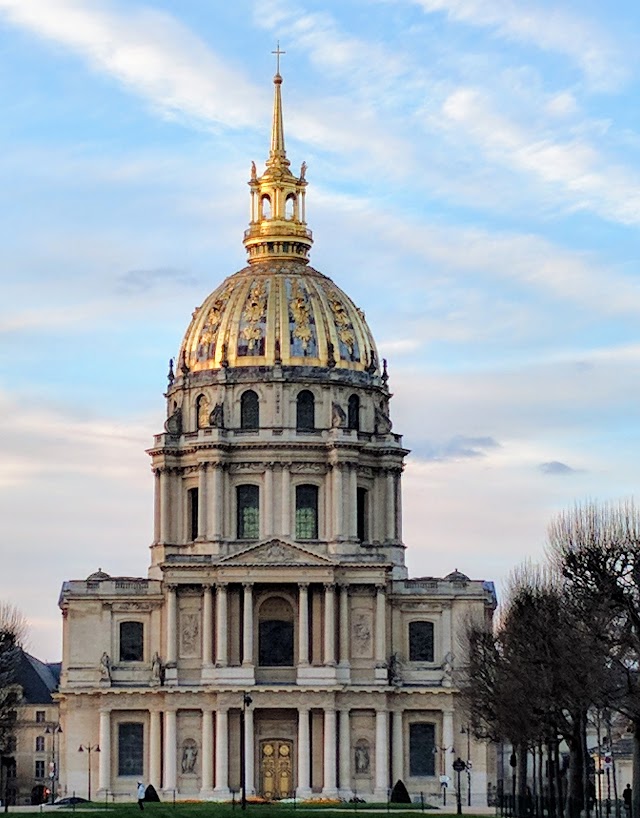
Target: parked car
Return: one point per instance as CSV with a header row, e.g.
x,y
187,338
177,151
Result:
x,y
70,800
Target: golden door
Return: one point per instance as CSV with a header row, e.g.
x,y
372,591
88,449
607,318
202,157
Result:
x,y
276,771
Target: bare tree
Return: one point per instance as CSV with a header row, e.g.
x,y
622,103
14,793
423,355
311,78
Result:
x,y
597,547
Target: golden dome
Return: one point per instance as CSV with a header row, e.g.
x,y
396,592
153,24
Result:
x,y
275,313
278,311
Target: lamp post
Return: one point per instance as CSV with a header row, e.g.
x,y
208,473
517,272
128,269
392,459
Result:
x,y
53,767
467,730
88,749
246,701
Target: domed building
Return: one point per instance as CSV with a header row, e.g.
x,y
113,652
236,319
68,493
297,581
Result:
x,y
277,640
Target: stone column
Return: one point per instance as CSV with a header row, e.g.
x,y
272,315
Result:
x,y
344,625
248,751
172,625
221,626
329,790
303,624
391,506
285,524
338,501
267,516
222,753
448,742
170,741
353,501
157,503
397,748
382,755
329,625
155,751
207,626
381,627
178,518
207,751
165,506
217,515
203,501
345,755
104,771
304,755
247,624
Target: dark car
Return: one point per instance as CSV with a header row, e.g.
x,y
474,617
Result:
x,y
70,800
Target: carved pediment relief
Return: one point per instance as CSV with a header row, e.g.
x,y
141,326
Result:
x,y
275,552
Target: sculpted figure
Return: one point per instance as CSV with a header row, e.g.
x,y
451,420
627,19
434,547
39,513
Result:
x,y
105,667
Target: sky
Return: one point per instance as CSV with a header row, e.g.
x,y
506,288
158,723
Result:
x,y
474,186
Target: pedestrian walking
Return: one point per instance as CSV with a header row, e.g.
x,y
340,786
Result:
x,y
627,796
141,794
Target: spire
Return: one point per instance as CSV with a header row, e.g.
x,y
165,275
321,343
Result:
x,y
277,228
278,152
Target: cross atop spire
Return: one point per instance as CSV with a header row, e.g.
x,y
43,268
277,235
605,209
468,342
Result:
x,y
277,52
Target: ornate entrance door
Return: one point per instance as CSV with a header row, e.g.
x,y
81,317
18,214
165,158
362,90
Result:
x,y
276,769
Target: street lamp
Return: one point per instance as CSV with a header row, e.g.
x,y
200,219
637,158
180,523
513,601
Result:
x,y
467,730
53,769
88,749
246,701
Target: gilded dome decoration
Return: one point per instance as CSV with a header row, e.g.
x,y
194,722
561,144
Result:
x,y
278,310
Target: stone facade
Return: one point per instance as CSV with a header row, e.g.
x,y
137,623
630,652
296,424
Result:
x,y
277,602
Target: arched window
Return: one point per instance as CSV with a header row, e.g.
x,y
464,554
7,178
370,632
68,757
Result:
x,y
265,207
290,207
248,508
305,411
202,411
249,410
306,512
353,413
421,641
131,641
275,633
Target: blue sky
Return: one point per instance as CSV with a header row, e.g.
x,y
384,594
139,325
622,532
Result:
x,y
474,174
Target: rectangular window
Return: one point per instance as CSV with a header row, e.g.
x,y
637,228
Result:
x,y
40,716
192,504
306,512
39,769
39,744
362,514
422,746
248,500
130,748
131,642
421,641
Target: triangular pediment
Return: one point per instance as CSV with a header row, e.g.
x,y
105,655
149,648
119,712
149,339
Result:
x,y
276,552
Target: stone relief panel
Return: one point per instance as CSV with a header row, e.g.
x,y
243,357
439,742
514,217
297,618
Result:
x,y
362,633
189,630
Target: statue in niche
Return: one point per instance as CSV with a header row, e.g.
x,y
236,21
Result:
x,y
189,756
362,757
338,416
105,667
447,670
156,669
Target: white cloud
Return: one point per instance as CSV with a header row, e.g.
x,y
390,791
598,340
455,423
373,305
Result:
x,y
148,51
573,168
548,27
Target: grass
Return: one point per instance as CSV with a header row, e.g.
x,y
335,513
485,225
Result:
x,y
212,809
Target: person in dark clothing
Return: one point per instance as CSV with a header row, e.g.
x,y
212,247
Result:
x,y
627,796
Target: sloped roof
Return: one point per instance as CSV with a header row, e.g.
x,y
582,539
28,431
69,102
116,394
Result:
x,y
37,679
